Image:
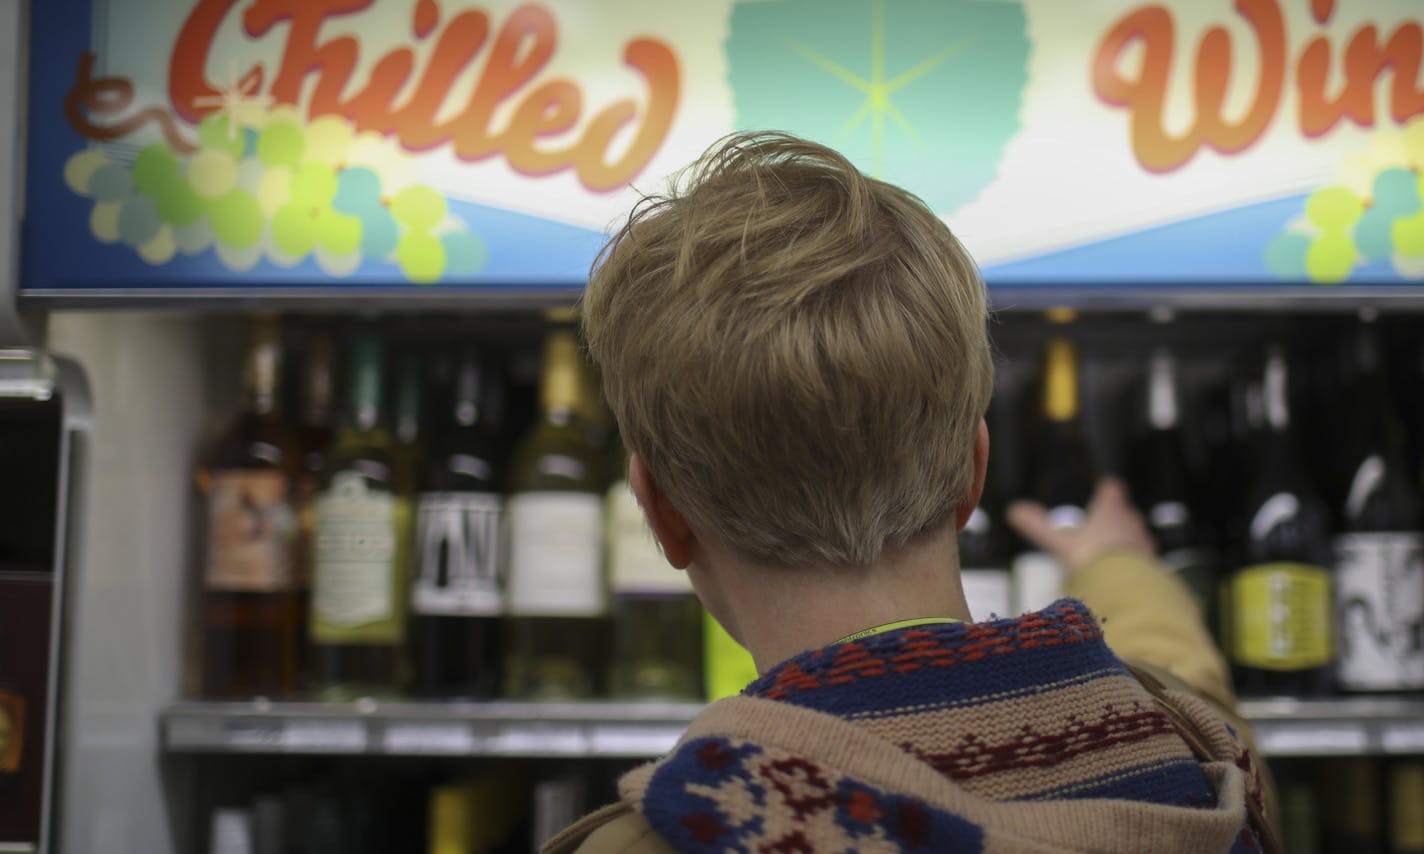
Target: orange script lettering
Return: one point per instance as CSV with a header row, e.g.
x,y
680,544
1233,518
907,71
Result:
x,y
1143,94
538,137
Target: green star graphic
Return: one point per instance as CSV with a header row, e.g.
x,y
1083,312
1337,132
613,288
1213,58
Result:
x,y
928,100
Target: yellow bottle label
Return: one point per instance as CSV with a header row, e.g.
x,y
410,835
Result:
x,y
729,667
1281,617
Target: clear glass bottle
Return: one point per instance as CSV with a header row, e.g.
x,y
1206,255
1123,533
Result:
x,y
362,547
557,604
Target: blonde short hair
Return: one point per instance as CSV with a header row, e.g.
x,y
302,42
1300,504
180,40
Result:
x,y
798,352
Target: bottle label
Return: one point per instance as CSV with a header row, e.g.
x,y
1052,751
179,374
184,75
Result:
x,y
12,731
554,551
1037,582
251,531
727,666
988,593
354,597
1379,600
1281,617
636,566
459,543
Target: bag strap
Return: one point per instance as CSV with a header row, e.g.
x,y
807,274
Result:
x,y
1200,745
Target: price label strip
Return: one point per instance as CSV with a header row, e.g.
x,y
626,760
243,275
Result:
x,y
527,739
334,736
1403,737
451,738
1304,739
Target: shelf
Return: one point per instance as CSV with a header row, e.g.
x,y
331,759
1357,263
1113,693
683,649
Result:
x,y
1354,726
589,730
1284,728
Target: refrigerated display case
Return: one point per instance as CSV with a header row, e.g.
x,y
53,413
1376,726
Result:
x,y
162,195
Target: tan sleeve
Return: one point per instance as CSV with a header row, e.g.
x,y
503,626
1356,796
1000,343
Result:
x,y
627,834
615,828
1149,616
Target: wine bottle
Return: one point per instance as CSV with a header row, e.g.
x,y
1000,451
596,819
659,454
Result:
x,y
250,633
1379,555
1354,812
409,402
315,434
362,543
1300,809
727,666
1406,807
1062,475
657,619
1281,626
457,596
1166,490
556,607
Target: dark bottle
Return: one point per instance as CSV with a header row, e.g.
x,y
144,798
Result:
x,y
315,434
362,544
409,411
1164,488
249,605
1353,814
1281,631
1062,475
1379,554
457,593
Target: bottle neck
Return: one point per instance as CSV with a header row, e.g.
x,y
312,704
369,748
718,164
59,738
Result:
x,y
1162,401
466,413
408,402
561,388
264,365
1275,393
1060,381
363,408
319,387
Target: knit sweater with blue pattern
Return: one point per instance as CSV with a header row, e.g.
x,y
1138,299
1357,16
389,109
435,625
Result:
x,y
1025,734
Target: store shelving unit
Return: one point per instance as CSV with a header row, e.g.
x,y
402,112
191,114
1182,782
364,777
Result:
x,y
1284,727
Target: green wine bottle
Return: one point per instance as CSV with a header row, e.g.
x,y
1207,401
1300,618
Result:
x,y
362,545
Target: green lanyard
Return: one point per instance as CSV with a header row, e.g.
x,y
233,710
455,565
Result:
x,y
899,624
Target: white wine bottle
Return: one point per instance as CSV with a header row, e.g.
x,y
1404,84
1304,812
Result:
x,y
557,600
362,547
657,620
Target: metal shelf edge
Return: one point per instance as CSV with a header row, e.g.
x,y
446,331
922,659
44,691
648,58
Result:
x,y
1283,728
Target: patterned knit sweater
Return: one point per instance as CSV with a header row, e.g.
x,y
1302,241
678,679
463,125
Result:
x,y
1012,735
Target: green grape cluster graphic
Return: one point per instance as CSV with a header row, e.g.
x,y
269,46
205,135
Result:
x,y
269,184
1374,213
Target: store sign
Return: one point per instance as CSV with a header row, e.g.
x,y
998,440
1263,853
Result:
x,y
220,144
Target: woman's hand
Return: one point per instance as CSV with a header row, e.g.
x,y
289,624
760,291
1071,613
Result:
x,y
1112,524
